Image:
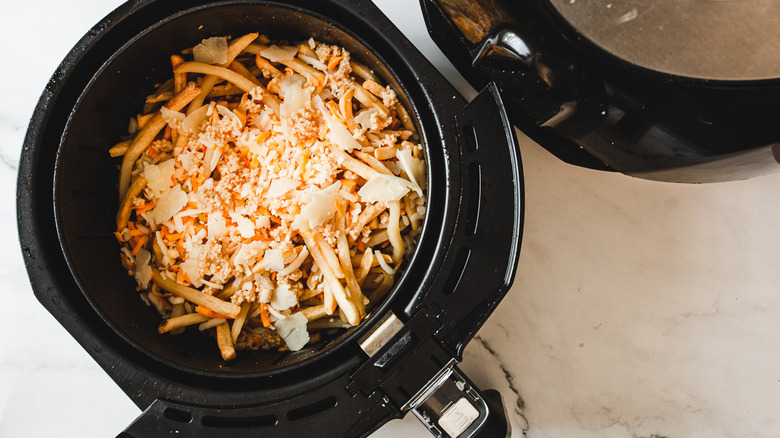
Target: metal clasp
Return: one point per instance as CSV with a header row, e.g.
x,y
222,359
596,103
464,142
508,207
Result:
x,y
449,406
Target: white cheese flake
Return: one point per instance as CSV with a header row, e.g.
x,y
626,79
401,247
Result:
x,y
194,121
283,297
338,133
272,260
364,117
295,96
143,272
280,187
320,208
230,115
190,266
414,168
293,330
245,226
275,53
158,176
169,204
172,117
384,188
216,226
213,50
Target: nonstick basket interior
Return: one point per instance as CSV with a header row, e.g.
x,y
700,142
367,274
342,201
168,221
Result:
x,y
86,177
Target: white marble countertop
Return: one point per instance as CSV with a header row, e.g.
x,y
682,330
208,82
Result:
x,y
640,309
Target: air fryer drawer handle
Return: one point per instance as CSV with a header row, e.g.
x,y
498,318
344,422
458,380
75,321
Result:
x,y
482,257
480,264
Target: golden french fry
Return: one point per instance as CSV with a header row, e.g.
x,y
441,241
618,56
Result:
x,y
126,207
225,342
203,299
145,137
181,321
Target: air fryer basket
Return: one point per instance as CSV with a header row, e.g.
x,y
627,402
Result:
x,y
85,194
463,266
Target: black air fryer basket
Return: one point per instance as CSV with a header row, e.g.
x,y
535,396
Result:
x,y
401,358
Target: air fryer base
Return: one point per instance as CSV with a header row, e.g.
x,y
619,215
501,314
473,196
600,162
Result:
x,y
349,394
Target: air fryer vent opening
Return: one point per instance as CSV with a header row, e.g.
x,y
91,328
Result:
x,y
312,409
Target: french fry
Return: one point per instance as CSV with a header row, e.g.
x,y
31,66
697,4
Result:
x,y
120,148
312,74
203,299
219,72
329,254
347,162
373,162
145,137
181,321
126,207
238,323
314,312
353,316
240,69
225,342
265,66
355,294
362,71
370,101
385,153
394,231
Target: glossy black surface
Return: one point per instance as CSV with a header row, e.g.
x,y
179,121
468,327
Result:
x,y
66,200
593,109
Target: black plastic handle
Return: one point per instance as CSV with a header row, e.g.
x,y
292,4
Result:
x,y
481,257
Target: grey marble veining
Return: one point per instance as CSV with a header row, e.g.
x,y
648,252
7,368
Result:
x,y
639,310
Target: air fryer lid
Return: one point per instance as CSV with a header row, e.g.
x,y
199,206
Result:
x,y
464,266
673,91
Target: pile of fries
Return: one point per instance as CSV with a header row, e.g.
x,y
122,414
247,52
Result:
x,y
268,191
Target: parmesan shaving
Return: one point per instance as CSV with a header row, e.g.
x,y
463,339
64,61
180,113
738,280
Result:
x,y
414,168
169,204
364,117
194,121
293,330
171,117
283,297
158,176
321,207
213,50
216,226
275,53
272,260
281,186
245,226
295,96
143,272
230,115
384,188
